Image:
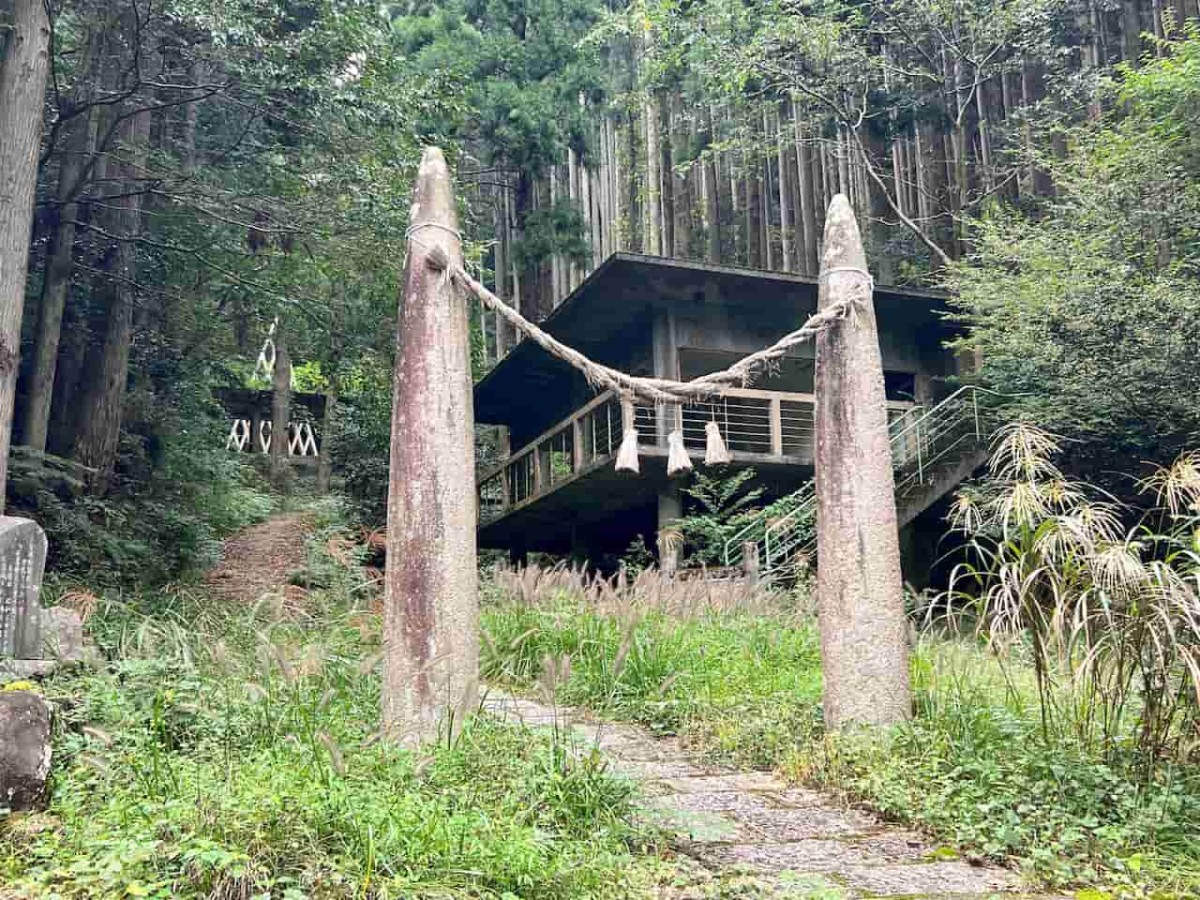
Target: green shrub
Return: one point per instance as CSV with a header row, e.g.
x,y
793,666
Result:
x,y
175,497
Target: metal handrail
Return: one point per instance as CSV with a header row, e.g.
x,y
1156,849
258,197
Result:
x,y
923,432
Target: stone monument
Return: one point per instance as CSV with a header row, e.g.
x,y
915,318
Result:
x,y
22,561
32,639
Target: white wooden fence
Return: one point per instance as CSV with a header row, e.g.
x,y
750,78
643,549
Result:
x,y
301,439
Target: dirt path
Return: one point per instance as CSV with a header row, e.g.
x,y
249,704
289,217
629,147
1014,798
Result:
x,y
258,560
747,834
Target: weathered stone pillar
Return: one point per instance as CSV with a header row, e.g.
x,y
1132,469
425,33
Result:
x,y
864,651
431,605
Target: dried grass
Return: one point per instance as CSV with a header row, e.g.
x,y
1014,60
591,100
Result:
x,y
83,602
649,590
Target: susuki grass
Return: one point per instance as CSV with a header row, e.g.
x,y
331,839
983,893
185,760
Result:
x,y
1111,614
718,664
975,767
225,752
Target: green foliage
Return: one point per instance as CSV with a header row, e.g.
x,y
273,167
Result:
x,y
361,451
557,229
974,766
1083,312
720,505
307,378
177,496
637,557
227,751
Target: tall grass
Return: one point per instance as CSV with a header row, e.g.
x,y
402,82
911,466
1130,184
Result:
x,y
1110,614
230,751
974,767
708,661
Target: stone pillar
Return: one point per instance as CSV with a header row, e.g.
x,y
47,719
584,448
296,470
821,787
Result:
x,y
431,603
864,650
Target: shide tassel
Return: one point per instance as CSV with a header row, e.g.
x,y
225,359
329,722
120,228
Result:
x,y
715,451
678,461
627,454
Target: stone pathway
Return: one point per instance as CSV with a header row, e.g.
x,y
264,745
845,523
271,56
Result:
x,y
748,834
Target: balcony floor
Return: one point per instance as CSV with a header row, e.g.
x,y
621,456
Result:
x,y
602,511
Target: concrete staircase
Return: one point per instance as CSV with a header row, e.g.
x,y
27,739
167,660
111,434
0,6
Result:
x,y
933,450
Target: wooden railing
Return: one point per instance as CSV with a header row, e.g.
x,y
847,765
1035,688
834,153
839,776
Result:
x,y
301,439
758,426
586,439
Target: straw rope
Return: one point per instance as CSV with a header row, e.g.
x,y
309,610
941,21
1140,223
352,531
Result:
x,y
657,390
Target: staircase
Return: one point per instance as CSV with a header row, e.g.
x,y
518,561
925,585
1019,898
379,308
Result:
x,y
933,450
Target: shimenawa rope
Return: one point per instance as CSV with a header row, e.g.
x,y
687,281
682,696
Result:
x,y
659,390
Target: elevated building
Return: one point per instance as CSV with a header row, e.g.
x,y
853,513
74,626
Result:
x,y
555,489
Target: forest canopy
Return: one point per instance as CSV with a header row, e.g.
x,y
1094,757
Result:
x,y
214,175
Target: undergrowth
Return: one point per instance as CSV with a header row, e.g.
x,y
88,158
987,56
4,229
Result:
x,y
745,686
231,751
974,767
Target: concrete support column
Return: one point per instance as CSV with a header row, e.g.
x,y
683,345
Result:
x,y
665,348
923,388
670,508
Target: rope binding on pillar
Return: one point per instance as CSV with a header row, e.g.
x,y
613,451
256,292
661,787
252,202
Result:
x,y
653,390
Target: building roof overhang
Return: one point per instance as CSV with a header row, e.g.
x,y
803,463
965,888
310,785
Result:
x,y
621,296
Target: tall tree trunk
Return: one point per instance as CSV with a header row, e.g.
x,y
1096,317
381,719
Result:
x,y
556,274
97,442
22,90
281,409
1131,30
1032,87
843,164
667,124
631,230
785,212
527,297
985,137
753,217
78,354
329,416
579,201
804,190
765,193
652,213
710,188
737,228
60,265
328,424
191,116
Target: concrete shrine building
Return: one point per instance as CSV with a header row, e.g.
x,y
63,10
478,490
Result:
x,y
556,490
